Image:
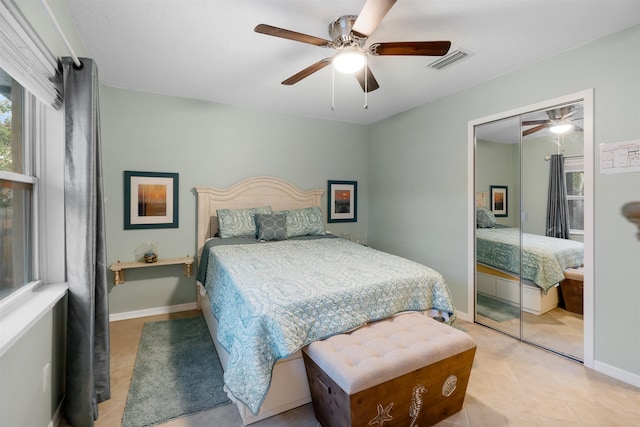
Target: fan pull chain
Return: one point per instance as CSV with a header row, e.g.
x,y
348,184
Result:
x,y
333,88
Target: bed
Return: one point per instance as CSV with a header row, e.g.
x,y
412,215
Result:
x,y
338,285
544,261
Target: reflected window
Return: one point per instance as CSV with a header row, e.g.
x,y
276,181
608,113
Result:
x,y
574,176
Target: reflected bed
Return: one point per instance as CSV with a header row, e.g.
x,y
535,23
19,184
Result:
x,y
544,259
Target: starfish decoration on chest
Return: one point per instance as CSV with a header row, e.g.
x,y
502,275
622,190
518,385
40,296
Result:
x,y
383,415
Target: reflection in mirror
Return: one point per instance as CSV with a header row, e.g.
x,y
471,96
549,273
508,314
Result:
x,y
553,215
575,195
529,251
497,186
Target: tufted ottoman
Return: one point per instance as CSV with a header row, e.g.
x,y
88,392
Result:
x,y
408,370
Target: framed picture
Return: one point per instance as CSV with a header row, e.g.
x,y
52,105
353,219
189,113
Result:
x,y
150,200
343,201
499,205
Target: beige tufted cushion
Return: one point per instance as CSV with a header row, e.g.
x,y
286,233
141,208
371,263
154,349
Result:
x,y
574,274
384,350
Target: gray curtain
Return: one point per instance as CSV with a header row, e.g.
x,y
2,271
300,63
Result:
x,y
557,205
87,376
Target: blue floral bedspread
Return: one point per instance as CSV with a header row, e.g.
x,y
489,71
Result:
x,y
271,299
544,259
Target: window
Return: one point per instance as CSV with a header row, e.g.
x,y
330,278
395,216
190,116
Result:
x,y
574,177
17,187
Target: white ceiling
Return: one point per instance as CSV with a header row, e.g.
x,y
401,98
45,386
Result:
x,y
207,49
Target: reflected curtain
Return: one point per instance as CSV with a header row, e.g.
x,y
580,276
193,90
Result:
x,y
87,375
557,205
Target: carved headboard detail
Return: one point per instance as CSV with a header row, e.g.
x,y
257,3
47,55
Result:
x,y
249,193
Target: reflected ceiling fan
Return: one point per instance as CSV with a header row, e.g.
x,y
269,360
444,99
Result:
x,y
349,34
560,121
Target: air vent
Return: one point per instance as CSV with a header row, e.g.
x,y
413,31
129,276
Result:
x,y
449,59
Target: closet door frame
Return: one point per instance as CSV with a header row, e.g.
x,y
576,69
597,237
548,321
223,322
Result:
x,y
587,98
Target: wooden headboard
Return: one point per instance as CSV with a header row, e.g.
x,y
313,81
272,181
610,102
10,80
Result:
x,y
249,193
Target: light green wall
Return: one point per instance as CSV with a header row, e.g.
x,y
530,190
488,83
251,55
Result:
x,y
418,179
497,163
40,21
535,176
23,401
495,166
216,145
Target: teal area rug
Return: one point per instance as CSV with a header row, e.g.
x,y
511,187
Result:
x,y
495,310
177,372
460,328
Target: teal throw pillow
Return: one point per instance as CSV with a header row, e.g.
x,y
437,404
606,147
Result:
x,y
305,222
239,222
271,226
485,218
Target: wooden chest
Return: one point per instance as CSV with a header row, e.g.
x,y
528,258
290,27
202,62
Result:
x,y
406,371
572,288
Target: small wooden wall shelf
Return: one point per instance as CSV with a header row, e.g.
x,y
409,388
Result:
x,y
118,268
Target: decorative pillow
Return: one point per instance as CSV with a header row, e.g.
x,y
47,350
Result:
x,y
485,218
305,222
239,222
271,226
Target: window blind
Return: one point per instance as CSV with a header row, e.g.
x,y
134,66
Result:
x,y
25,58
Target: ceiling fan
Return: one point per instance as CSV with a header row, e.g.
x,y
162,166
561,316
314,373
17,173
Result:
x,y
560,121
349,34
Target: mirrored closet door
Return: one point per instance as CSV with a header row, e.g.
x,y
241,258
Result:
x,y
497,187
529,199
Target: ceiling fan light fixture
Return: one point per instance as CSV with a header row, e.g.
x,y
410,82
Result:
x,y
349,61
561,127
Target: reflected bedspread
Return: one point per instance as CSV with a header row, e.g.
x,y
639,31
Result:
x,y
544,259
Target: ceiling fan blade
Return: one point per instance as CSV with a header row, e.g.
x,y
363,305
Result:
x,y
370,16
534,122
437,48
291,35
533,130
569,114
307,71
371,83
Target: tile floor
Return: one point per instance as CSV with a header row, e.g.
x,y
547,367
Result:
x,y
558,329
512,384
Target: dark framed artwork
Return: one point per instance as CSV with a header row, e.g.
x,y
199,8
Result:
x,y
343,201
150,200
499,202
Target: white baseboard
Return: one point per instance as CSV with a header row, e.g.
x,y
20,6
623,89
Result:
x,y
617,373
152,311
464,316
